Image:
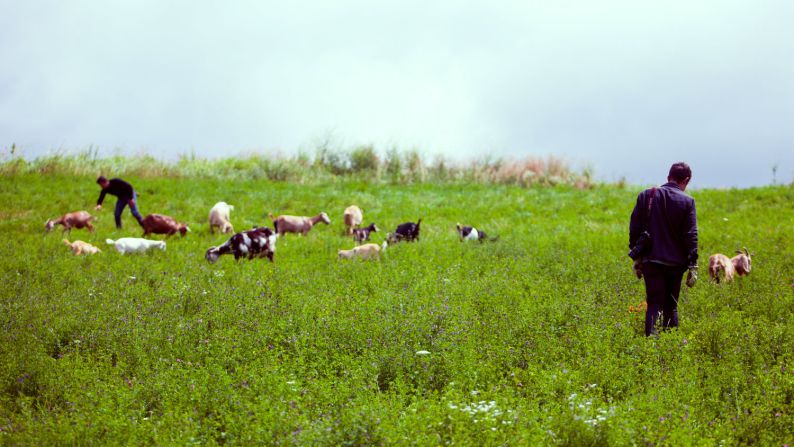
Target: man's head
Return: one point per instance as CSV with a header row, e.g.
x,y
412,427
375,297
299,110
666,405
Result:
x,y
102,181
680,173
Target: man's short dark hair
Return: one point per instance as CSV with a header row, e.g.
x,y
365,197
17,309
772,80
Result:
x,y
101,179
680,171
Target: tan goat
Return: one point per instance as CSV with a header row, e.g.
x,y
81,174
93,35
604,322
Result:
x,y
297,224
366,251
737,265
353,218
219,218
81,248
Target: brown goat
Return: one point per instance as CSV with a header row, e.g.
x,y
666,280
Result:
x,y
738,265
160,224
297,224
76,219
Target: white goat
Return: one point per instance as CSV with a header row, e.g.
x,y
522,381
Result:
x,y
739,265
135,244
219,217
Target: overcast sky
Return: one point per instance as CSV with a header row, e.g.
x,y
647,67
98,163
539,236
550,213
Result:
x,y
626,87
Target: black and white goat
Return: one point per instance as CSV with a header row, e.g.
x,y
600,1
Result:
x,y
256,243
467,233
362,234
408,231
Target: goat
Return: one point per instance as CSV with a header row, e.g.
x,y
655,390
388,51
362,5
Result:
x,y
408,231
219,217
297,224
81,248
737,265
135,244
366,251
362,234
160,224
467,233
76,219
255,243
353,218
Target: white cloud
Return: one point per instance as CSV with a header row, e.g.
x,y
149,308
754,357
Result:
x,y
628,86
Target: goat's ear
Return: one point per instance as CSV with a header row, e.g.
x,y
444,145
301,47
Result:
x,y
739,252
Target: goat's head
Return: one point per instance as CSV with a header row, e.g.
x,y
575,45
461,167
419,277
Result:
x,y
49,225
183,229
324,218
212,254
392,238
373,227
743,262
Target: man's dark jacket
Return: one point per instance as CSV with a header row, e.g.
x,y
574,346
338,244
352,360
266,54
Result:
x,y
118,188
673,225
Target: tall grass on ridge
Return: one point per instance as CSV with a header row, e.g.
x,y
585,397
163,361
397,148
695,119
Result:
x,y
364,163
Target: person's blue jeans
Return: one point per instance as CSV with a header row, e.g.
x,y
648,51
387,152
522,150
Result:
x,y
662,287
121,203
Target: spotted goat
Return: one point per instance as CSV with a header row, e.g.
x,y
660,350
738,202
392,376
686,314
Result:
x,y
362,234
468,233
255,243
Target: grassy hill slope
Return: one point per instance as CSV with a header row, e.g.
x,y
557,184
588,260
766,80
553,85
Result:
x,y
530,339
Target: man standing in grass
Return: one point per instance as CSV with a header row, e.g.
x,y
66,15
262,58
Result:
x,y
663,238
126,196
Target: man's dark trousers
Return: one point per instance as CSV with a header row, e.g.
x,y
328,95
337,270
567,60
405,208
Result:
x,y
662,286
121,204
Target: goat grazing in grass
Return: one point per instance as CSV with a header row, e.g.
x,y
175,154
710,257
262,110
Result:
x,y
362,234
76,219
366,251
160,224
256,243
297,224
467,233
353,218
81,248
408,231
737,265
219,217
135,244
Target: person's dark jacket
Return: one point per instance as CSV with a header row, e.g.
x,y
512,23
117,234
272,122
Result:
x,y
116,187
673,225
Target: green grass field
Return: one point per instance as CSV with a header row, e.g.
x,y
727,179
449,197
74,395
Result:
x,y
530,339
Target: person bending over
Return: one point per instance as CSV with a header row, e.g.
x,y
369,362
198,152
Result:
x,y
126,196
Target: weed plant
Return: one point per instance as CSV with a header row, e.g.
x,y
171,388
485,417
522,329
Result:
x,y
529,338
